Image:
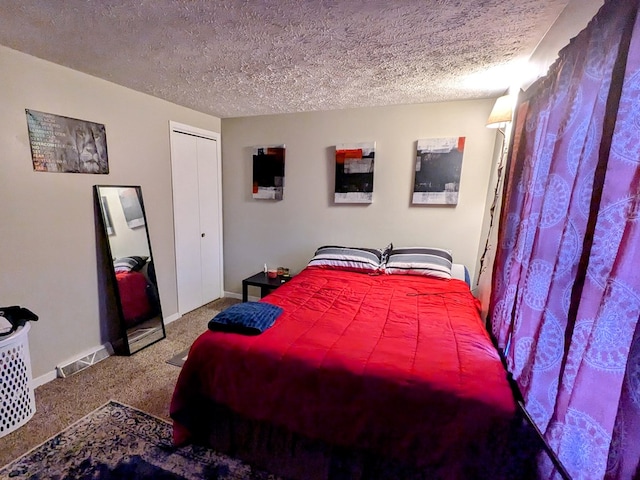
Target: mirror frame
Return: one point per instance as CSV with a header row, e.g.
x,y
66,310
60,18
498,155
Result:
x,y
125,347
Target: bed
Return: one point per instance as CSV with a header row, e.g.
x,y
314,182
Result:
x,y
365,374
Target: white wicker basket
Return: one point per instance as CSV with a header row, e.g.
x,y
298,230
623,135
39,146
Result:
x,y
17,401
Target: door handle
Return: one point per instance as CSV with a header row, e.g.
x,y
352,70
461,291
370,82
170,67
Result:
x,y
202,235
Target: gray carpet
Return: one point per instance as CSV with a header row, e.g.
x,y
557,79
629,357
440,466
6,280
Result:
x,y
144,381
119,442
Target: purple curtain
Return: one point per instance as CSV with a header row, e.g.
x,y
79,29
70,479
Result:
x,y
566,286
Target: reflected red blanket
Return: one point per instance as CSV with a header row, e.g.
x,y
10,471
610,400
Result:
x,y
133,297
398,364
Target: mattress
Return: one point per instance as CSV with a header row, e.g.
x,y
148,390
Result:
x,y
398,365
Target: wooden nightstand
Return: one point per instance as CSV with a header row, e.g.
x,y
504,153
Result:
x,y
265,283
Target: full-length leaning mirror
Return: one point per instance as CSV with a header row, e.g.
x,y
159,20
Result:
x,y
132,271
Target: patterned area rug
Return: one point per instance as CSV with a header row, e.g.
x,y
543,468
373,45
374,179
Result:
x,y
119,442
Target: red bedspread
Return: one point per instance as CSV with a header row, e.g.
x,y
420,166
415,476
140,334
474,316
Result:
x,y
133,297
397,364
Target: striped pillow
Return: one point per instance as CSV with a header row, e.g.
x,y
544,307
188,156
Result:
x,y
431,262
368,260
129,264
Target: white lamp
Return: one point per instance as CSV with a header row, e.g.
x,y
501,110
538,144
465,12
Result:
x,y
502,112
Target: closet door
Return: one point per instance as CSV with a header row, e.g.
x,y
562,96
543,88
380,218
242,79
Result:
x,y
210,219
197,214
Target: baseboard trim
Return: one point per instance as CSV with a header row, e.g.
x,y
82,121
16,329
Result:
x,y
42,379
172,318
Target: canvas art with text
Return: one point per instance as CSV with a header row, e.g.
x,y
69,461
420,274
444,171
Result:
x,y
66,145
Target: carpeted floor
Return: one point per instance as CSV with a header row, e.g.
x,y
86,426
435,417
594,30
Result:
x,y
144,381
119,442
179,359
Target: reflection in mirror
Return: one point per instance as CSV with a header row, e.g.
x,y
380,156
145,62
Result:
x,y
133,273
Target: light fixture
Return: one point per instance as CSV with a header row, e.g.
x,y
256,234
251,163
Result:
x,y
502,112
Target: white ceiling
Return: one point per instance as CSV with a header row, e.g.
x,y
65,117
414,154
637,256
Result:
x,y
233,58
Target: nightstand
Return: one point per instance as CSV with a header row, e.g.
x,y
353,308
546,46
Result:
x,y
265,283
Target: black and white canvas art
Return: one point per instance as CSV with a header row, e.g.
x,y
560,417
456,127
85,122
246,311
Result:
x,y
131,207
354,172
438,171
66,145
268,172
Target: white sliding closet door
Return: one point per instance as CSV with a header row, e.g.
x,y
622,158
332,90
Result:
x,y
197,213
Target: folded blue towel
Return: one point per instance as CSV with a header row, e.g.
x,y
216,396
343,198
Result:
x,y
250,318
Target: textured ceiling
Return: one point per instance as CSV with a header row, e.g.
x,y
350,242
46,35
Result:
x,y
234,58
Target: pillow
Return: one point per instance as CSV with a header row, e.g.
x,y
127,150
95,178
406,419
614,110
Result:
x,y
368,260
431,262
129,264
250,318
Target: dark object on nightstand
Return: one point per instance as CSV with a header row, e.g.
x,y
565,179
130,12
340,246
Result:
x,y
265,283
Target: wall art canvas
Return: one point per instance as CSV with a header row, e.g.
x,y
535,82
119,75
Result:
x,y
66,145
438,169
131,207
268,172
354,172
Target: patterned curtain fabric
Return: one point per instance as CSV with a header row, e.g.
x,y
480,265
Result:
x,y
565,298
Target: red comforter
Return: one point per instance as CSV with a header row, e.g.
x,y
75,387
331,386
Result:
x,y
133,297
397,364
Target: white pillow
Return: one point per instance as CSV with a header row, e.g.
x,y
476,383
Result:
x,y
430,262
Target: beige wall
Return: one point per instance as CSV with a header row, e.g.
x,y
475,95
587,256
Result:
x,y
47,227
287,232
